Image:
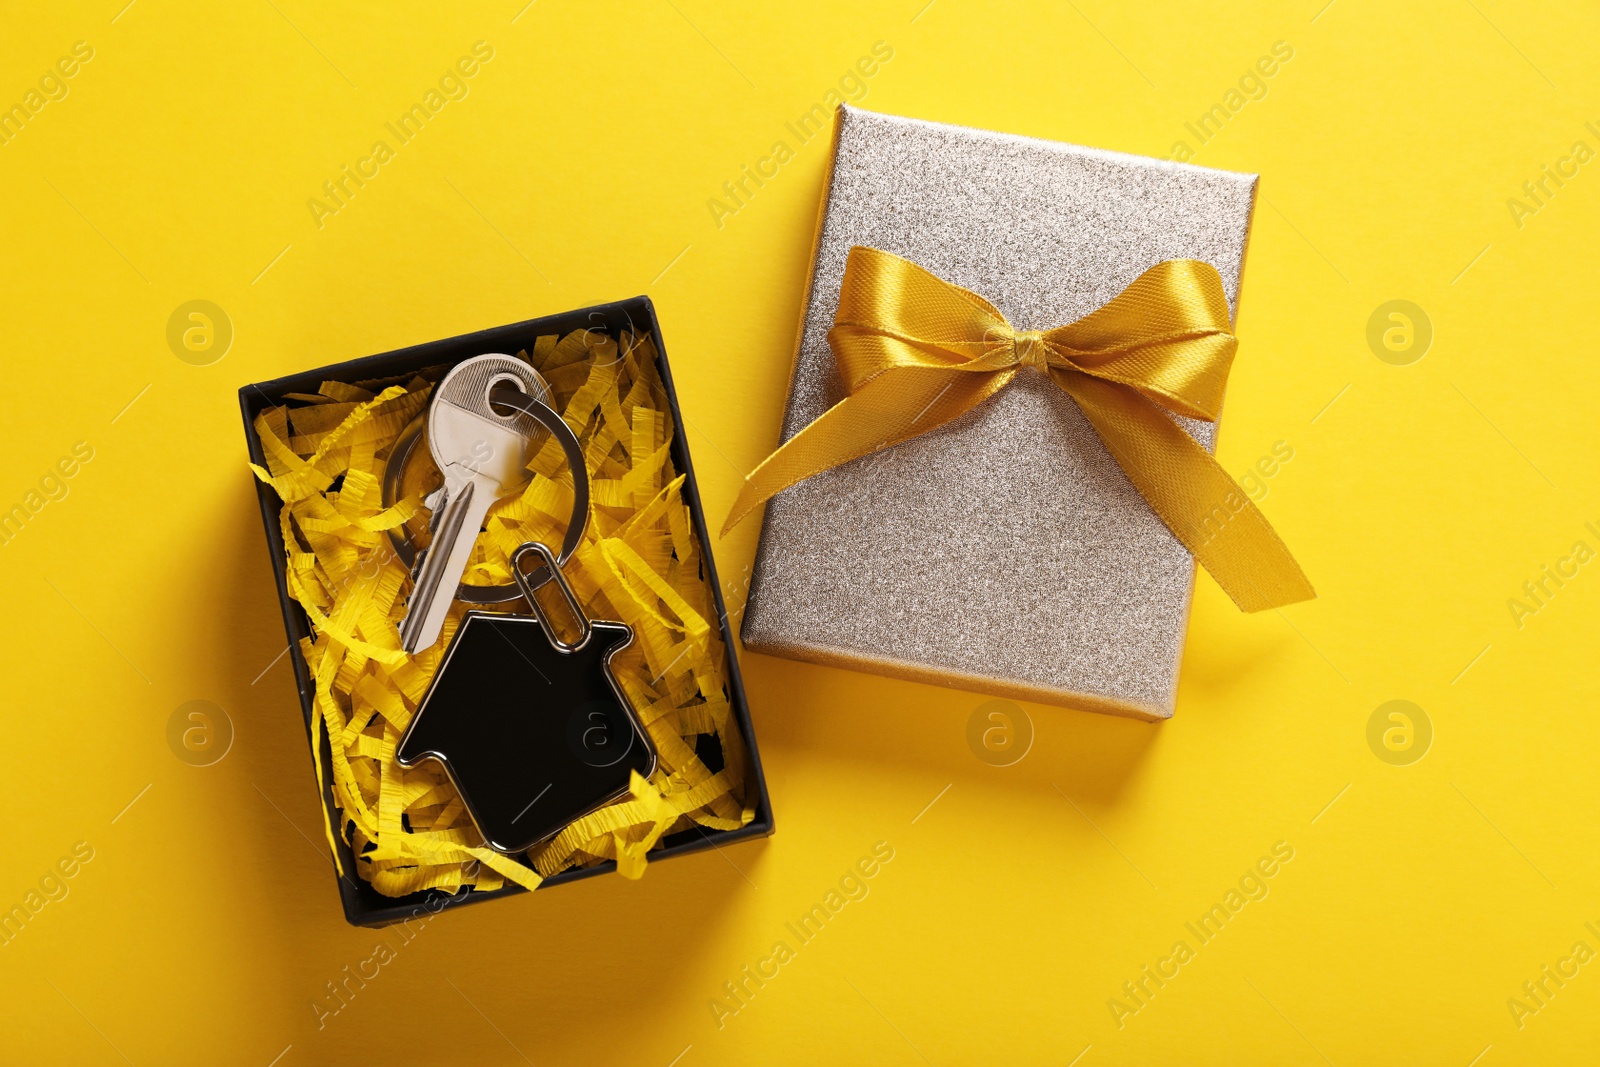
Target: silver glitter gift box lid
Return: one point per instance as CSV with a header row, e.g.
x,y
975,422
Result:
x,y
1005,552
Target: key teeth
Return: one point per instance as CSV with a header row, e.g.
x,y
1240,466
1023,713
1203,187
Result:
x,y
408,622
434,502
416,569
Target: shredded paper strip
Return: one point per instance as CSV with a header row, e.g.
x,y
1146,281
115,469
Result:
x,y
639,562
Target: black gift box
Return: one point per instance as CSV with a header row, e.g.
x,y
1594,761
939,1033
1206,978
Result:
x,y
363,905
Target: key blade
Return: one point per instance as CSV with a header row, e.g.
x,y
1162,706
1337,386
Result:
x,y
435,587
434,502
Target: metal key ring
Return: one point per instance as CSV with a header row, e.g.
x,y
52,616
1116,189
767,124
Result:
x,y
512,397
506,395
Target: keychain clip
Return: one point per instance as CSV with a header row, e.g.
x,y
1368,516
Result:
x,y
536,548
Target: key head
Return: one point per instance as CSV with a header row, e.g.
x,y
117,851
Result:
x,y
469,439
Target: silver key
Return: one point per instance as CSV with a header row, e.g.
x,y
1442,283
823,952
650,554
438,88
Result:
x,y
483,456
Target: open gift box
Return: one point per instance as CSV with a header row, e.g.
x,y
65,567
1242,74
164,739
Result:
x,y
632,319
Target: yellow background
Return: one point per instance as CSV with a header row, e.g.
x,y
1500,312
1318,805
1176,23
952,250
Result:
x,y
1420,898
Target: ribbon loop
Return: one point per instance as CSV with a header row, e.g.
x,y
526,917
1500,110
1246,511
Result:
x,y
916,351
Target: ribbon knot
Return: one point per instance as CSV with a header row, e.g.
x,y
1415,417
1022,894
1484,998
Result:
x,y
916,351
1031,350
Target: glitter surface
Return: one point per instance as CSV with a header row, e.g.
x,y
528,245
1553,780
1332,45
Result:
x,y
1005,552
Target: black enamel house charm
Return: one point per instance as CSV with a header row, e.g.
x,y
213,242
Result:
x,y
533,731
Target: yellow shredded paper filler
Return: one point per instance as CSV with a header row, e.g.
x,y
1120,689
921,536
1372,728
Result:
x,y
639,562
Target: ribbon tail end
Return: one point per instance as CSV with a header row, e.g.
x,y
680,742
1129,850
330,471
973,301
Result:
x,y
1287,593
743,505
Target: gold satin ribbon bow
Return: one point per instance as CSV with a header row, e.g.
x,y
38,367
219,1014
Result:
x,y
916,351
